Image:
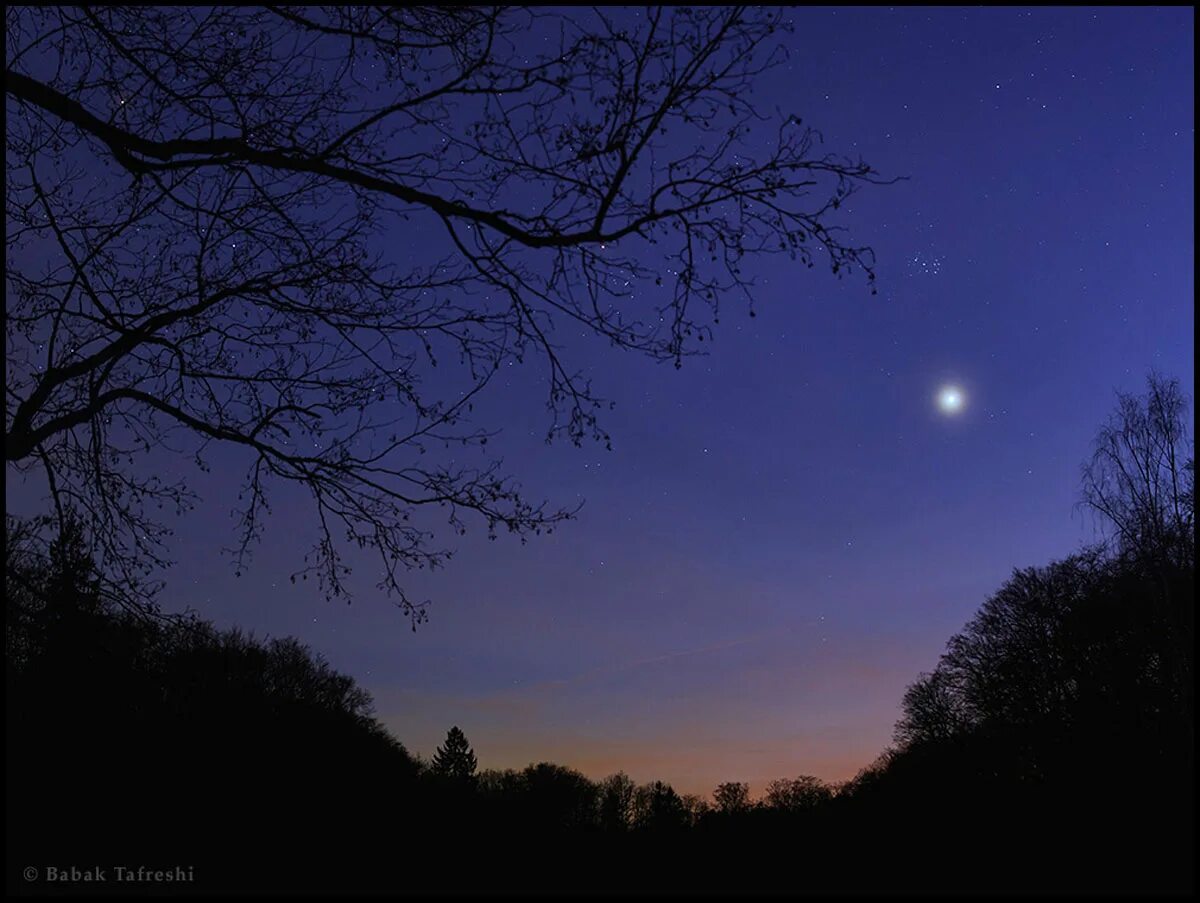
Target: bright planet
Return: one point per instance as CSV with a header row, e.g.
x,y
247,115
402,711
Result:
x,y
951,399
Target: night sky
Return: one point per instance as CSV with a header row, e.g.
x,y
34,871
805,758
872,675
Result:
x,y
788,530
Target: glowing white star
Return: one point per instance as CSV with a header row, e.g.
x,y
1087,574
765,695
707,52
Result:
x,y
951,399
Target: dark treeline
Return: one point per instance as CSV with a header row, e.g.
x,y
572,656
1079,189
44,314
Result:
x,y
1050,749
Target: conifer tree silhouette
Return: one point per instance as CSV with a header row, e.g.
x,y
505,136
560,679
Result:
x,y
455,758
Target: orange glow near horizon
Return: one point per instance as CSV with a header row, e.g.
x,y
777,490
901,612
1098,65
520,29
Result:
x,y
760,712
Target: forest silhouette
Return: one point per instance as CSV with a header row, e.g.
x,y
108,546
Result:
x,y
1051,749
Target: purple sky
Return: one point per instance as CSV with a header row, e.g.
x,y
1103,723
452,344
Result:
x,y
787,531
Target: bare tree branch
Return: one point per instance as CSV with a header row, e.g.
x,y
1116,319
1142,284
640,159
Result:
x,y
203,207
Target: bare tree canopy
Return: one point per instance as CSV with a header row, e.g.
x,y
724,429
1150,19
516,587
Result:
x,y
732,796
1141,477
209,214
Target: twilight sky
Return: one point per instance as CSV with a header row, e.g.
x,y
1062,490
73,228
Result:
x,y
788,530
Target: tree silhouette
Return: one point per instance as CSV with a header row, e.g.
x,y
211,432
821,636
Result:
x,y
1141,477
207,741
657,807
455,759
732,797
1141,480
933,711
696,807
1070,674
616,798
797,794
558,797
1106,632
197,203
